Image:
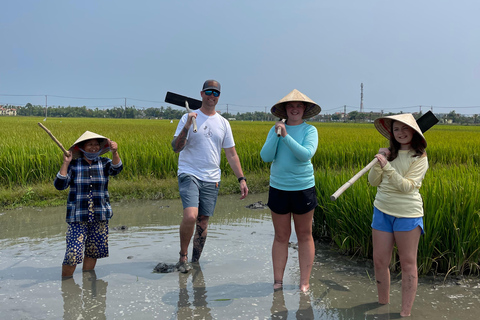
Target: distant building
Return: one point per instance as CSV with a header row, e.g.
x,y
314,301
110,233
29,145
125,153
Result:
x,y
340,114
7,111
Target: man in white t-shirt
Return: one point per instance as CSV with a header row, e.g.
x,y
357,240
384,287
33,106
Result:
x,y
199,169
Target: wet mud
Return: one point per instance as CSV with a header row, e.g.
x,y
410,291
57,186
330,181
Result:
x,y
232,280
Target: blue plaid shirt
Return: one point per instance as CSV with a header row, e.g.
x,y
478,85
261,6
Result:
x,y
83,177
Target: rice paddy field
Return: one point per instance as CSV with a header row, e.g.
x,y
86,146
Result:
x,y
29,161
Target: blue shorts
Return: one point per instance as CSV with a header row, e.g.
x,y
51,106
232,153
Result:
x,y
198,194
388,223
89,236
297,202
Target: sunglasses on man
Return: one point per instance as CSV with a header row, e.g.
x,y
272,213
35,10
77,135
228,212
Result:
x,y
209,93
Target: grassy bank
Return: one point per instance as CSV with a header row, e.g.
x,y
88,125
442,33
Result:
x,y
30,160
142,188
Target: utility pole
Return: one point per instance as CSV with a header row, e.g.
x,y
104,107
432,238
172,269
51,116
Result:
x,y
361,97
46,106
125,113
345,113
227,108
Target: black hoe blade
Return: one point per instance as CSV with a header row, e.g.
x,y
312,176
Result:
x,y
427,121
179,100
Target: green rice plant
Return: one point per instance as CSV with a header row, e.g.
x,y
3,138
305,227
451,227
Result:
x,y
452,220
347,220
28,155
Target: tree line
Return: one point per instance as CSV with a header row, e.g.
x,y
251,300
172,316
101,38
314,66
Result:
x,y
169,113
126,112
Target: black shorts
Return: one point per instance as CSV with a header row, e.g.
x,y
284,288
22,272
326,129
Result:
x,y
298,202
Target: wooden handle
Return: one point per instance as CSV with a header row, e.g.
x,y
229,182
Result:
x,y
279,130
347,185
65,152
194,120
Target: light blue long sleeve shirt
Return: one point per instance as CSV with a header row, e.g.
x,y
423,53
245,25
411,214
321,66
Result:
x,y
291,168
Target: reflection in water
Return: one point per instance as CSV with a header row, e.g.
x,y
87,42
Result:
x,y
305,310
87,302
357,312
280,311
198,308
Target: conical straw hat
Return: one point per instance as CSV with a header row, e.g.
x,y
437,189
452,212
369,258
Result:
x,y
384,124
88,135
311,108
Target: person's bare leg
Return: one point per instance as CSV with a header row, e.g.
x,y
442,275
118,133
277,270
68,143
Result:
x,y
382,254
407,244
186,230
306,247
199,237
283,228
67,271
89,263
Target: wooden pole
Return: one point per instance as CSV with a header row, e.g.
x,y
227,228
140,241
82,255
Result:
x,y
279,130
194,120
347,184
65,152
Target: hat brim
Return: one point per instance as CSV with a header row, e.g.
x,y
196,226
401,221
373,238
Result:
x,y
384,124
311,108
75,149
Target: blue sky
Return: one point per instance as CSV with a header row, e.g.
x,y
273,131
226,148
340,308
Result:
x,y
406,53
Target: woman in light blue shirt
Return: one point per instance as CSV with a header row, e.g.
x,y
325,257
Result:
x,y
290,145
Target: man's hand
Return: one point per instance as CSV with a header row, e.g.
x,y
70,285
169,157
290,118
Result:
x,y
243,189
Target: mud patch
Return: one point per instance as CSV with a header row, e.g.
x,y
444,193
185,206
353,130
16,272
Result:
x,y
257,205
164,268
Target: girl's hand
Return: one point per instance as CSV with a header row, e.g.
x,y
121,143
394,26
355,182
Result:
x,y
384,151
381,159
281,125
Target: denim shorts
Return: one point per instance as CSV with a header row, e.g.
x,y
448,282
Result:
x,y
298,202
197,193
388,223
89,236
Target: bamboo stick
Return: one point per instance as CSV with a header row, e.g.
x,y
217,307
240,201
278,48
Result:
x,y
347,184
65,152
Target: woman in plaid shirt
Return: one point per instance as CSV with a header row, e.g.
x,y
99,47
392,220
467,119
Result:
x,y
88,204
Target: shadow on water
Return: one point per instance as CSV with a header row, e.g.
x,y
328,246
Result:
x,y
232,281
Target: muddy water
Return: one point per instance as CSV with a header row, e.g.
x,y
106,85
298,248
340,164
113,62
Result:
x,y
232,281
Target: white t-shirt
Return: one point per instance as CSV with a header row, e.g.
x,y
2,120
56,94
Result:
x,y
202,153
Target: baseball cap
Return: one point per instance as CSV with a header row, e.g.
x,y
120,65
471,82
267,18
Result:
x,y
211,85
